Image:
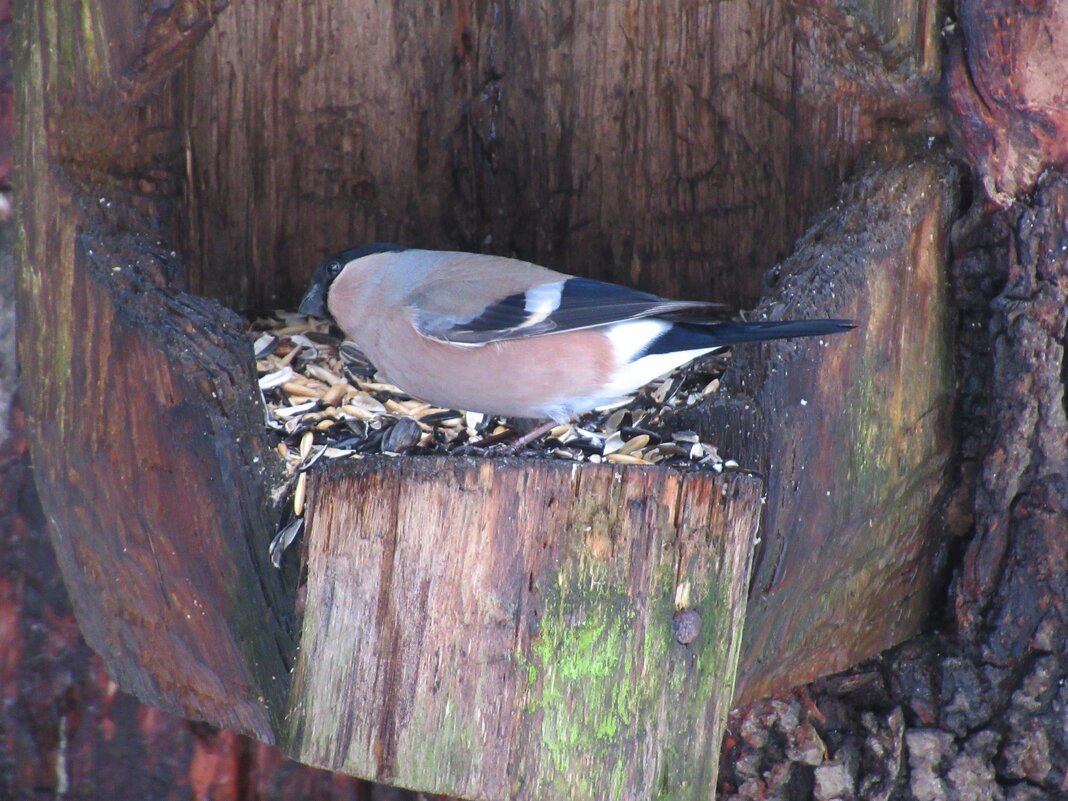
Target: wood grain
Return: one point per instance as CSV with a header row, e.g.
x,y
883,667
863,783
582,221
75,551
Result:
x,y
855,434
677,147
504,629
522,611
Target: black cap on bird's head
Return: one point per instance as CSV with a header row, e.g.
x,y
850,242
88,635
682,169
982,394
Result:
x,y
314,302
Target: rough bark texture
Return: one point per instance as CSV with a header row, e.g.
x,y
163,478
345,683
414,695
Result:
x,y
976,710
1013,582
507,629
855,441
1006,88
678,147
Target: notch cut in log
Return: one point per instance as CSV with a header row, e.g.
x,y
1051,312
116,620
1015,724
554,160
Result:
x,y
162,531
507,628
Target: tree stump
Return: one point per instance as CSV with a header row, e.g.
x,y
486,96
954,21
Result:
x,y
193,145
517,629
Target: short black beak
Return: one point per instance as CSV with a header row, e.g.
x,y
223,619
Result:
x,y
314,302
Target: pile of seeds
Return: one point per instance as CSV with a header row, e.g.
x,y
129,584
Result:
x,y
324,401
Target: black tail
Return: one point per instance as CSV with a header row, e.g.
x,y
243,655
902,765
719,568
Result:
x,y
731,333
696,336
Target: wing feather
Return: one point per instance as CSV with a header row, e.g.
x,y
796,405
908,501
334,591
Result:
x,y
555,307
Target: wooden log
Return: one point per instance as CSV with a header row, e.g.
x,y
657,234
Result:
x,y
159,491
68,730
510,629
856,441
137,397
152,463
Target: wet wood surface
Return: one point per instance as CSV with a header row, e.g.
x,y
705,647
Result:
x,y
149,450
69,730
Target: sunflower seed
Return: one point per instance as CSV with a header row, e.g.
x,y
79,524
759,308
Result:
x,y
283,539
264,345
614,443
403,435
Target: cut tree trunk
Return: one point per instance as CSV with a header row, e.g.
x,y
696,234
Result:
x,y
856,442
511,629
518,610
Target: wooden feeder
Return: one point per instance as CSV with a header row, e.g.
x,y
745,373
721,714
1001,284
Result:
x,y
484,628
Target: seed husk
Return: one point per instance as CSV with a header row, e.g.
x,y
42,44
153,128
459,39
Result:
x,y
299,493
624,458
302,371
634,444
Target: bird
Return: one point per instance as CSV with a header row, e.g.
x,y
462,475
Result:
x,y
507,337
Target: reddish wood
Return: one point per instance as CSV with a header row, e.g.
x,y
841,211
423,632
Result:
x,y
1007,93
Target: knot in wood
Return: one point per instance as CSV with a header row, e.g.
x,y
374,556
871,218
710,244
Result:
x,y
687,625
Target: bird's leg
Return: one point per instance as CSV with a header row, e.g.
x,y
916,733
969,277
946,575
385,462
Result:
x,y
532,435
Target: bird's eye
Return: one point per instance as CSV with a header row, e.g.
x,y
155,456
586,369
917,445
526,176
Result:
x,y
334,268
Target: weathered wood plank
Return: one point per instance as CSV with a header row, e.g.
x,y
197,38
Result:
x,y
522,613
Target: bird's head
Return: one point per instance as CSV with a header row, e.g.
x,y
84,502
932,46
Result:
x,y
316,300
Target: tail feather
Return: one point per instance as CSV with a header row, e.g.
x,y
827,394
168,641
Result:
x,y
696,336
